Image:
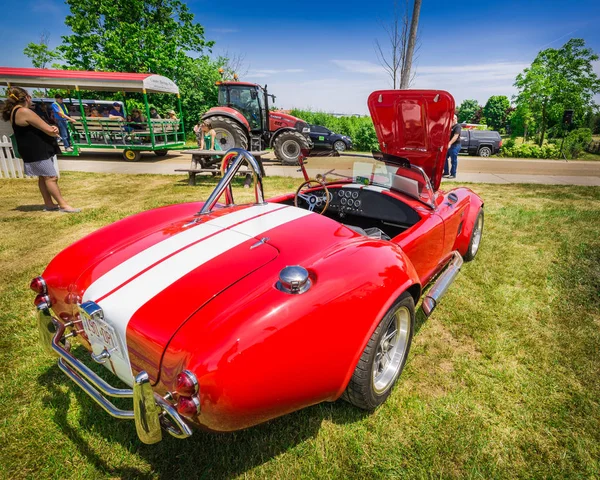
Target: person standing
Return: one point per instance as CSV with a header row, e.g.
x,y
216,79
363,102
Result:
x,y
36,142
453,150
61,117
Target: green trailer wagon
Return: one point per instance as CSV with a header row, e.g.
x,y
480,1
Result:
x,y
152,135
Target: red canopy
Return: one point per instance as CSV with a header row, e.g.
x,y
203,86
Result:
x,y
72,79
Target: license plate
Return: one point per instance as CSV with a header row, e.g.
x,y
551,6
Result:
x,y
100,332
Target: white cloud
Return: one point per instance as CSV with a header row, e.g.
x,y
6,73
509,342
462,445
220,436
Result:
x,y
360,66
348,93
262,73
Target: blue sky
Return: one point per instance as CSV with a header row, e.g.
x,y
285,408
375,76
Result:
x,y
321,54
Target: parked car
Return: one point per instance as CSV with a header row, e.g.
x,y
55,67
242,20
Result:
x,y
223,316
480,142
323,138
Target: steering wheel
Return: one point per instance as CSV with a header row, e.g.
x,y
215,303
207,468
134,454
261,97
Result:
x,y
313,199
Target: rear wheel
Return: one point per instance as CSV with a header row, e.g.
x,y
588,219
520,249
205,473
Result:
x,y
132,155
339,146
485,151
384,356
289,145
230,134
160,153
476,235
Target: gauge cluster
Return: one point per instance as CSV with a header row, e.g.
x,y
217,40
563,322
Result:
x,y
347,200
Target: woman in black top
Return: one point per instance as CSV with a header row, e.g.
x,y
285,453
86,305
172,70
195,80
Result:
x,y
36,141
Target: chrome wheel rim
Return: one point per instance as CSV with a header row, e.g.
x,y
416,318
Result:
x,y
485,152
224,138
391,350
477,231
290,149
339,146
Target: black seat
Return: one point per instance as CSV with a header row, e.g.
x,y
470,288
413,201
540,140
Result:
x,y
372,232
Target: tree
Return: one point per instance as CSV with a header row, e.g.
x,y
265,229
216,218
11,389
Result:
x,y
41,56
395,61
521,121
154,36
556,80
467,111
496,111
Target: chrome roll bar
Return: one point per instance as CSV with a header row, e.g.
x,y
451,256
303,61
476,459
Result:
x,y
229,172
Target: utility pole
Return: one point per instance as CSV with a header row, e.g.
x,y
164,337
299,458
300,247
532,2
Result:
x,y
412,40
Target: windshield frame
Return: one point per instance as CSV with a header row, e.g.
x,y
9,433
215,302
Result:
x,y
418,178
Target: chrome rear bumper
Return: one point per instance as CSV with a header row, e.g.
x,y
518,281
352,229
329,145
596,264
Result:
x,y
151,412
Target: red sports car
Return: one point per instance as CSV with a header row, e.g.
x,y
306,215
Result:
x,y
223,316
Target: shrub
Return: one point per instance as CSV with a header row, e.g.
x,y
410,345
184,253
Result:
x,y
366,138
529,150
509,143
576,142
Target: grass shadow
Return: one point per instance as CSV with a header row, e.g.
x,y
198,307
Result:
x,y
28,208
204,455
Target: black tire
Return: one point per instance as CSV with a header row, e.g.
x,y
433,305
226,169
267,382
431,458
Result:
x,y
339,146
475,240
132,155
361,390
230,133
288,146
485,151
160,153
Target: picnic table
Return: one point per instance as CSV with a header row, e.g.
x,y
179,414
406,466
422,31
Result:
x,y
209,161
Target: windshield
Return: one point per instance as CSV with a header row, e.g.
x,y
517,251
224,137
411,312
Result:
x,y
410,180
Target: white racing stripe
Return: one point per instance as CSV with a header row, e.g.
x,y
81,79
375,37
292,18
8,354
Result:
x,y
144,259
121,305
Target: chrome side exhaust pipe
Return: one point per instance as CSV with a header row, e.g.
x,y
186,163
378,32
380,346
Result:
x,y
441,285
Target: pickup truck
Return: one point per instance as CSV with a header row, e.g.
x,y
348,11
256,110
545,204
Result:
x,y
480,142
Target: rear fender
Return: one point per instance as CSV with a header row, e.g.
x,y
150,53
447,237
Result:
x,y
409,283
462,239
263,357
275,134
227,112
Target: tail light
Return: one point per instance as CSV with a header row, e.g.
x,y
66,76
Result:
x,y
38,285
188,406
500,144
42,302
186,388
186,384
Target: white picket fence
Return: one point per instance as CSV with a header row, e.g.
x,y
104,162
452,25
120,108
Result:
x,y
10,166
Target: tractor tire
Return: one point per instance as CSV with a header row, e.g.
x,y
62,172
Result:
x,y
288,146
230,134
160,153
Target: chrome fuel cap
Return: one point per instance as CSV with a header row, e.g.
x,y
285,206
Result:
x,y
294,279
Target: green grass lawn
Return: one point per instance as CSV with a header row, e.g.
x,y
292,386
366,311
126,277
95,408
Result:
x,y
503,380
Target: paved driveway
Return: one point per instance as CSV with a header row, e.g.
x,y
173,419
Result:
x,y
470,169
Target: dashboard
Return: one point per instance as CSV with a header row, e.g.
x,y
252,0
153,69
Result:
x,y
370,202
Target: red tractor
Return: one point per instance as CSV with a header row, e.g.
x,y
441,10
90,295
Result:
x,y
243,120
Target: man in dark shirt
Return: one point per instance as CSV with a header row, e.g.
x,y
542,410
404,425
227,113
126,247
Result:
x,y
116,113
453,149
